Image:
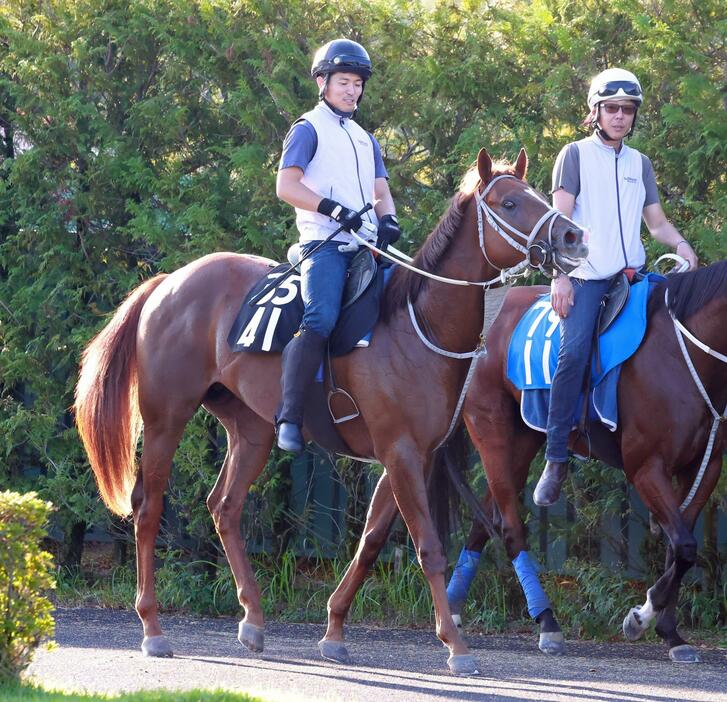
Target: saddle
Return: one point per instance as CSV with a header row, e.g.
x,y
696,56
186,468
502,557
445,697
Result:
x,y
613,301
360,273
268,324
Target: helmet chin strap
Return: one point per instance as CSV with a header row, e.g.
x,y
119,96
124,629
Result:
x,y
604,134
340,113
323,87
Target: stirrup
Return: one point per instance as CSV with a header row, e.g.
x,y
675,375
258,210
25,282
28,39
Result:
x,y
348,417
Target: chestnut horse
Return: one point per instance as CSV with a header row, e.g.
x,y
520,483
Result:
x,y
164,353
666,430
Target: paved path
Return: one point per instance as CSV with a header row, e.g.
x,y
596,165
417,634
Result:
x,y
98,651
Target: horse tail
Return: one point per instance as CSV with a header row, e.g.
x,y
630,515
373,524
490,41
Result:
x,y
449,486
107,407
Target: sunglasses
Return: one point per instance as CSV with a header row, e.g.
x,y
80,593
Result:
x,y
626,86
613,109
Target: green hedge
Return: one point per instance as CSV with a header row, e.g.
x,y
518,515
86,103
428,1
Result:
x,y
156,127
25,576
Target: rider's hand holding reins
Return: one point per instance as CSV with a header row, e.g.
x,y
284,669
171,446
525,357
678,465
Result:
x,y
561,295
389,231
685,250
350,220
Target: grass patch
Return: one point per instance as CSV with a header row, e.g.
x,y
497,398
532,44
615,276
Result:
x,y
589,600
28,693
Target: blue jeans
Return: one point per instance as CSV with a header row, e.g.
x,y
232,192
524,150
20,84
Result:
x,y
576,346
323,277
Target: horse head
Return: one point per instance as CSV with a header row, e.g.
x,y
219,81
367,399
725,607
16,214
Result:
x,y
526,224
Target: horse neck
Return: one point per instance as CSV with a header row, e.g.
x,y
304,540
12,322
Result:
x,y
708,326
453,313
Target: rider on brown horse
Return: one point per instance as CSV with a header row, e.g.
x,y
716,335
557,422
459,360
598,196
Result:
x,y
606,187
330,168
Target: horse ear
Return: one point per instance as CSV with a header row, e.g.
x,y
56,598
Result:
x,y
484,166
521,165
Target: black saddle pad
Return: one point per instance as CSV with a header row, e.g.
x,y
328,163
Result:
x,y
269,324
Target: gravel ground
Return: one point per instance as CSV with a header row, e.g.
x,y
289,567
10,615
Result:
x,y
98,650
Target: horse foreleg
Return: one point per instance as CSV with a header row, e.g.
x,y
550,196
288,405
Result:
x,y
379,519
466,568
147,504
249,442
507,449
655,488
551,640
405,466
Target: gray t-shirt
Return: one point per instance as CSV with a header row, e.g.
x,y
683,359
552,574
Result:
x,y
567,174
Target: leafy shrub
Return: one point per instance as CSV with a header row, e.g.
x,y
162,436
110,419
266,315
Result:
x,y
25,574
590,599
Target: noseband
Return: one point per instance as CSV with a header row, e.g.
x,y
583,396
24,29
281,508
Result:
x,y
539,255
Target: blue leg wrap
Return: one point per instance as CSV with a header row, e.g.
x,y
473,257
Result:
x,y
527,574
462,577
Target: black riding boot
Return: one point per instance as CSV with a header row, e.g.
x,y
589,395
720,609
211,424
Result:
x,y
547,491
301,359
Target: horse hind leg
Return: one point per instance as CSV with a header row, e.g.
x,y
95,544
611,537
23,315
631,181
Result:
x,y
160,443
661,602
680,651
249,440
381,515
666,621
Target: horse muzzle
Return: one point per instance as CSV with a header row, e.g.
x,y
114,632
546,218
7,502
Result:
x,y
569,249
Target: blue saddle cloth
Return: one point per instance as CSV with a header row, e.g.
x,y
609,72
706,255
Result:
x,y
533,357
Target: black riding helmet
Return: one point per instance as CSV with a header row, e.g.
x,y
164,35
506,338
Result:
x,y
341,56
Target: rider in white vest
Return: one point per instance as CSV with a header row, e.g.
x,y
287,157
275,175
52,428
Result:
x,y
606,187
329,170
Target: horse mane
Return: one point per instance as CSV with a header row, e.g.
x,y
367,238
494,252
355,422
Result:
x,y
690,291
406,284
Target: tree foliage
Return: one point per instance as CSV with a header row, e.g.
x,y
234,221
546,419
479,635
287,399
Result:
x,y
137,136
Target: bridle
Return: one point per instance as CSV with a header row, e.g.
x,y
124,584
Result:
x,y
538,254
531,249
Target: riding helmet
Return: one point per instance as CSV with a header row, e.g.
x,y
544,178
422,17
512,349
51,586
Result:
x,y
341,55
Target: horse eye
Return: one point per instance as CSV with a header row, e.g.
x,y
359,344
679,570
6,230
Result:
x,y
508,204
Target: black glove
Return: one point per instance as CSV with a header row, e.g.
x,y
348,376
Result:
x,y
389,231
350,220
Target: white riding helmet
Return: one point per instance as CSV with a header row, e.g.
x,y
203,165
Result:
x,y
614,84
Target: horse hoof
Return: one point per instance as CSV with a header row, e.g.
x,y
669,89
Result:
x,y
632,626
552,643
684,654
335,651
251,636
457,619
463,664
156,647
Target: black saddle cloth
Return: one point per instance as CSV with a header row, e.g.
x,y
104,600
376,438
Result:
x,y
269,324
